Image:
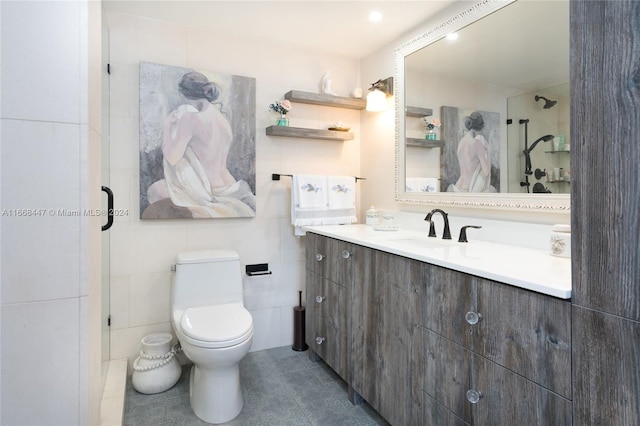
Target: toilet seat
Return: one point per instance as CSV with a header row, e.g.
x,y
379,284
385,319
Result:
x,y
217,326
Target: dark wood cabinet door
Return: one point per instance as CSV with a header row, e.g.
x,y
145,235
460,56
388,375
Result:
x,y
326,322
527,332
400,339
315,252
448,374
337,266
326,300
331,345
447,298
386,338
605,368
457,376
364,327
510,399
436,414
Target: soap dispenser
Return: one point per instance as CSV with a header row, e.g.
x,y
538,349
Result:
x,y
561,240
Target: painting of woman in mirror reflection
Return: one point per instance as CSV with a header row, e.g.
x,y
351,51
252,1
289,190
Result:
x,y
472,150
197,144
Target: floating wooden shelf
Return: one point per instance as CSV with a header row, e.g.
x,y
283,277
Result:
x,y
424,143
300,132
557,152
325,100
412,111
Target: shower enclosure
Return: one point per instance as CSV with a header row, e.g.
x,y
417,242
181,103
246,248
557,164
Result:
x,y
539,119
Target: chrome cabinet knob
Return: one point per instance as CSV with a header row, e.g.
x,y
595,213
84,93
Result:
x,y
319,340
320,299
320,257
472,317
346,254
473,396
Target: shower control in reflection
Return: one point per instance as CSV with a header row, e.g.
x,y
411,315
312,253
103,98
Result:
x,y
539,174
463,233
432,230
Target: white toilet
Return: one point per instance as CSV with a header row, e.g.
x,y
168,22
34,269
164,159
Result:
x,y
214,329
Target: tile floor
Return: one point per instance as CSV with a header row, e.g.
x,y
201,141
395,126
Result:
x,y
280,387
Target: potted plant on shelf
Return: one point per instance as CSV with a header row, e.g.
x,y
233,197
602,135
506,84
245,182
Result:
x,y
431,125
282,108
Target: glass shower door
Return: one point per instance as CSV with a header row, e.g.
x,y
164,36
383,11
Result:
x,y
105,273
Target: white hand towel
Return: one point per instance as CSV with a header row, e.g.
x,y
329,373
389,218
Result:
x,y
310,196
342,192
423,184
311,190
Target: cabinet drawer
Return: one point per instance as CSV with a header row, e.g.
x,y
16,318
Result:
x,y
315,245
448,373
326,300
329,258
505,398
527,332
437,414
448,296
329,343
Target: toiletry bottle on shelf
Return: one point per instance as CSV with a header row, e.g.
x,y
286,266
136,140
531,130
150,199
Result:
x,y
372,216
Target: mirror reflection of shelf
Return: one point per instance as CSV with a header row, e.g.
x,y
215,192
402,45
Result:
x,y
413,111
424,143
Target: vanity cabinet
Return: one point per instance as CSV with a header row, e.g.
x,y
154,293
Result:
x,y
328,278
423,344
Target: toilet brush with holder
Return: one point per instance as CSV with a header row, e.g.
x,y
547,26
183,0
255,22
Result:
x,y
298,326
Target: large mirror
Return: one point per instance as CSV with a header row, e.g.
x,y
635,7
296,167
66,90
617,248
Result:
x,y
484,120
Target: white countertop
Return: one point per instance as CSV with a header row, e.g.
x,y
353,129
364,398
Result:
x,y
527,268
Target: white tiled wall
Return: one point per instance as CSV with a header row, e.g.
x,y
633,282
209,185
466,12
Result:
x,y
142,252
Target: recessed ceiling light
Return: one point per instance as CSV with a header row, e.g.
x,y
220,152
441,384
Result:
x,y
375,16
452,36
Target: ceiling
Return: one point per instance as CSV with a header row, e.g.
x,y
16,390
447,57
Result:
x,y
523,45
338,27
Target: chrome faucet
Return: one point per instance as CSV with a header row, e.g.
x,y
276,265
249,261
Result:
x,y
432,230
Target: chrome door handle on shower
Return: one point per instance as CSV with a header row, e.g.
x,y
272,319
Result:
x,y
109,208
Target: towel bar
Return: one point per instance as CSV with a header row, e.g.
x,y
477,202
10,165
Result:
x,y
276,176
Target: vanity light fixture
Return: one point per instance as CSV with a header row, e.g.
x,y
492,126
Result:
x,y
378,93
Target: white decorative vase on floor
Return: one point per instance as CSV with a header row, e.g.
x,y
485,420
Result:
x,y
156,369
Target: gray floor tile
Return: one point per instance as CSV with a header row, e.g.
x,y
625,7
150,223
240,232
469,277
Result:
x,y
280,387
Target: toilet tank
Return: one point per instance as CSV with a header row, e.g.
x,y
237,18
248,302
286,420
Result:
x,y
207,277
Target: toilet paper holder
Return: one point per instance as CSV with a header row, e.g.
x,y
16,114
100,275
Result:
x,y
257,269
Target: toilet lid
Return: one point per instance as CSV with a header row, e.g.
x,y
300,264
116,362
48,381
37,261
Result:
x,y
229,323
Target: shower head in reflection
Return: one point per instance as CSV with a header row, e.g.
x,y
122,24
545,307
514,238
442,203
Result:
x,y
547,103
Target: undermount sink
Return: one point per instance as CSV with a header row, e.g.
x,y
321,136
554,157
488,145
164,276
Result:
x,y
426,242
